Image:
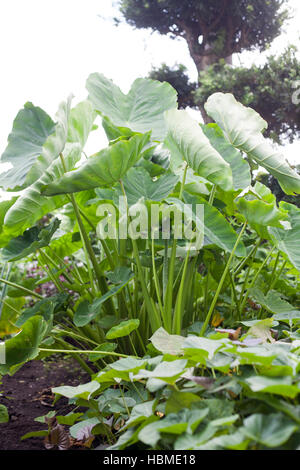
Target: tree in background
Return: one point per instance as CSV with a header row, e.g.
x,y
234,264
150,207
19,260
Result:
x,y
215,30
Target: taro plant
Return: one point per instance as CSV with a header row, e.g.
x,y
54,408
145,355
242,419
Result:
x,y
111,291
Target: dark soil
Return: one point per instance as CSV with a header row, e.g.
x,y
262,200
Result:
x,y
27,395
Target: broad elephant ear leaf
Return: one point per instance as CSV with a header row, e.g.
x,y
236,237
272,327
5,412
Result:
x,y
105,168
34,143
141,110
32,240
24,346
243,128
32,205
240,167
187,142
287,241
31,128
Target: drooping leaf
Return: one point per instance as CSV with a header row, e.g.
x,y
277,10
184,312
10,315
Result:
x,y
239,166
105,168
123,329
32,206
187,142
141,110
31,128
243,128
32,240
25,345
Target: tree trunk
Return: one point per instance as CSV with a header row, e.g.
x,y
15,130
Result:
x,y
202,62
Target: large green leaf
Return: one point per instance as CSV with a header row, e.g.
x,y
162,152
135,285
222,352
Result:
x,y
105,168
270,430
186,141
52,147
25,345
31,128
32,205
32,240
141,110
243,128
287,241
239,166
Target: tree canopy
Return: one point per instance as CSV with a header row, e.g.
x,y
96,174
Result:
x,y
215,30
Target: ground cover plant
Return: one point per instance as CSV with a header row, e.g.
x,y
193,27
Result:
x,y
189,326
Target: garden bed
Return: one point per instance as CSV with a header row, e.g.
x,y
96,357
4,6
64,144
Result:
x,y
27,395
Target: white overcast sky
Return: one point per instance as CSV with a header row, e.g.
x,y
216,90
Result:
x,y
48,49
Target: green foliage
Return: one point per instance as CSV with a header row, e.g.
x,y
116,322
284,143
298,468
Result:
x,y
227,26
189,404
178,78
266,88
195,386
243,128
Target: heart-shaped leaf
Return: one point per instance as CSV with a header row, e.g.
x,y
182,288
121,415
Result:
x,y
141,110
187,142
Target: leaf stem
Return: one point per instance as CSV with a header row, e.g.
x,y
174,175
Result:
x,y
213,304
